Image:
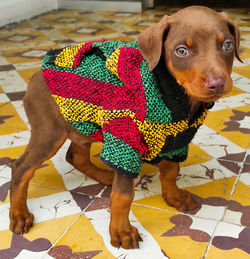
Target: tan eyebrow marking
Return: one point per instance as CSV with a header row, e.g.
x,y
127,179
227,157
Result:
x,y
189,42
221,37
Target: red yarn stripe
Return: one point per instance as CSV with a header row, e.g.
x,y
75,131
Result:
x,y
97,135
128,69
110,97
85,48
125,129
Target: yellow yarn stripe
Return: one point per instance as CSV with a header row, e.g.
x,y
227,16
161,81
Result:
x,y
67,56
152,132
112,62
84,111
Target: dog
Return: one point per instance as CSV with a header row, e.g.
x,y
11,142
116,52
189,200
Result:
x,y
145,102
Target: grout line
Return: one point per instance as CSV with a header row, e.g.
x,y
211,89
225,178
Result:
x,y
174,212
230,197
210,242
67,229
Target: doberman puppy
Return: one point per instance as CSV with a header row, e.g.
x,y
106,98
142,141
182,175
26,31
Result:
x,y
198,46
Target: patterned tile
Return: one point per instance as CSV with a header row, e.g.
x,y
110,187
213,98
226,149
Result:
x,y
72,210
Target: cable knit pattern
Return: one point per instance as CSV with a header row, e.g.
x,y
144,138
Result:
x,y
105,90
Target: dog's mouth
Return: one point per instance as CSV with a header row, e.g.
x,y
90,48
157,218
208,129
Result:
x,y
204,97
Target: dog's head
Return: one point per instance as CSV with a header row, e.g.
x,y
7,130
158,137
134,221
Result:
x,y
199,46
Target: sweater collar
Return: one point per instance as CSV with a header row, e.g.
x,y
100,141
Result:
x,y
174,96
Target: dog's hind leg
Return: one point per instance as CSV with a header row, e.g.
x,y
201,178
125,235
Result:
x,y
79,157
48,133
22,171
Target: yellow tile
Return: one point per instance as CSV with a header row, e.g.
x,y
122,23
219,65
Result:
x,y
157,222
15,56
11,121
23,25
46,175
22,38
50,229
140,25
235,91
95,155
69,17
122,38
221,188
242,194
244,71
5,238
195,156
216,121
226,254
101,30
26,74
79,241
36,191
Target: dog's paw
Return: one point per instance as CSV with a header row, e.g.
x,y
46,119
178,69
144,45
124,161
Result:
x,y
127,238
20,223
182,200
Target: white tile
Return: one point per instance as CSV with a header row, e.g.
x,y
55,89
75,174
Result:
x,y
44,208
11,81
4,98
211,212
28,65
15,139
21,112
24,254
214,144
5,171
199,170
151,187
241,82
205,225
149,248
227,229
245,178
232,102
233,217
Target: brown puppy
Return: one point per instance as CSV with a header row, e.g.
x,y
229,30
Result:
x,y
198,46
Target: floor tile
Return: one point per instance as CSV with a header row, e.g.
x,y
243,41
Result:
x,y
230,241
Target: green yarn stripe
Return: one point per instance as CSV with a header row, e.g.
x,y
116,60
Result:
x,y
157,112
119,154
103,74
85,127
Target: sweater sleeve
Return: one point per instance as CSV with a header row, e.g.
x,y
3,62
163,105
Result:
x,y
120,156
124,146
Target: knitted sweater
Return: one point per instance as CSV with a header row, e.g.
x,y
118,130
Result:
x,y
105,90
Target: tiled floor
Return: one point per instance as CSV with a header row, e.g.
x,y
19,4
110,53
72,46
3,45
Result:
x,y
71,210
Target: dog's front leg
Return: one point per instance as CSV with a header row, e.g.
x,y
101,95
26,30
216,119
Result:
x,y
121,232
180,199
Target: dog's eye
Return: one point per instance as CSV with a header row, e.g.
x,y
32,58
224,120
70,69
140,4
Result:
x,y
181,51
227,45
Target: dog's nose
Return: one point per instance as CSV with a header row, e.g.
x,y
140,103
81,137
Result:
x,y
215,84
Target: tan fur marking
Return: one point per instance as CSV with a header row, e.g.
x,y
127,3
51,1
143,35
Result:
x,y
189,42
221,37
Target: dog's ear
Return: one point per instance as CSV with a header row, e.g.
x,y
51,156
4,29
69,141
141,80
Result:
x,y
150,41
234,30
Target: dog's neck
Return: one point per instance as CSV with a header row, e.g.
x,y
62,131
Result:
x,y
173,94
194,105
